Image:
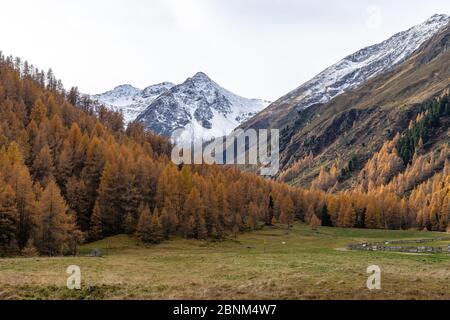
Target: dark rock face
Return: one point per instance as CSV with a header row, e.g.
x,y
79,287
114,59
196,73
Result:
x,y
203,115
164,117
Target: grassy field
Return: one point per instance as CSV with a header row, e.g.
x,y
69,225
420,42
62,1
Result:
x,y
267,264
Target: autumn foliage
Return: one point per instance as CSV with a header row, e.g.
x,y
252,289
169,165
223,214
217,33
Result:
x,y
71,172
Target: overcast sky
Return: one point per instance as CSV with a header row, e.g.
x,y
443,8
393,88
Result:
x,y
255,48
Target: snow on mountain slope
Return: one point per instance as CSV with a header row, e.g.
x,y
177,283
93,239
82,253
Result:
x,y
369,62
132,101
349,73
200,107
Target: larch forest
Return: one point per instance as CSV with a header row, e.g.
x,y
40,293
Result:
x,y
71,172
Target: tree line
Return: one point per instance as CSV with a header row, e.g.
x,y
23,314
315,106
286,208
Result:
x,y
71,172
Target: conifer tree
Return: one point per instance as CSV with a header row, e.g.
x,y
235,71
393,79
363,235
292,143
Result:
x,y
373,215
8,222
96,225
287,211
156,228
270,215
169,222
193,209
348,214
26,204
143,228
43,169
39,112
253,214
55,226
149,228
202,231
109,199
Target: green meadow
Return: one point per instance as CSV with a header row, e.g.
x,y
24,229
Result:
x,y
267,264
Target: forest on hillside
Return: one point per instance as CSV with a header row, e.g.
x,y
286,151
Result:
x,y
70,172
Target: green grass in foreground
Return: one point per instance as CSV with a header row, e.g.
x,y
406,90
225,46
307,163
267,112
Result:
x,y
301,264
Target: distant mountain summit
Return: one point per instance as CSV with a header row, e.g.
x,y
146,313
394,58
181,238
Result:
x,y
199,106
131,101
348,74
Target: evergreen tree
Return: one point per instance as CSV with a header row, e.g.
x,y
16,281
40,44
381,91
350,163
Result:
x,y
109,200
373,216
39,112
96,225
193,211
26,204
270,215
8,222
43,169
149,228
287,211
157,234
55,226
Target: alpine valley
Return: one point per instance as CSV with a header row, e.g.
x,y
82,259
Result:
x,y
89,182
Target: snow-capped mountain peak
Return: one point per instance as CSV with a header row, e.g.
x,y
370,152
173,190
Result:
x,y
349,73
367,63
200,76
132,101
157,89
201,107
125,90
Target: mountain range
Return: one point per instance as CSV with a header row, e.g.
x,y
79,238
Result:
x,y
132,101
340,117
350,129
348,74
198,106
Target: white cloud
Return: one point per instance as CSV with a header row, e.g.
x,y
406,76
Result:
x,y
257,48
191,15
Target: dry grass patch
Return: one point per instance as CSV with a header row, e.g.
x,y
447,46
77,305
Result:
x,y
301,264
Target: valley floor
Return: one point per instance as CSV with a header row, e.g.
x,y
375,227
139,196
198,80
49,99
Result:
x,y
267,264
